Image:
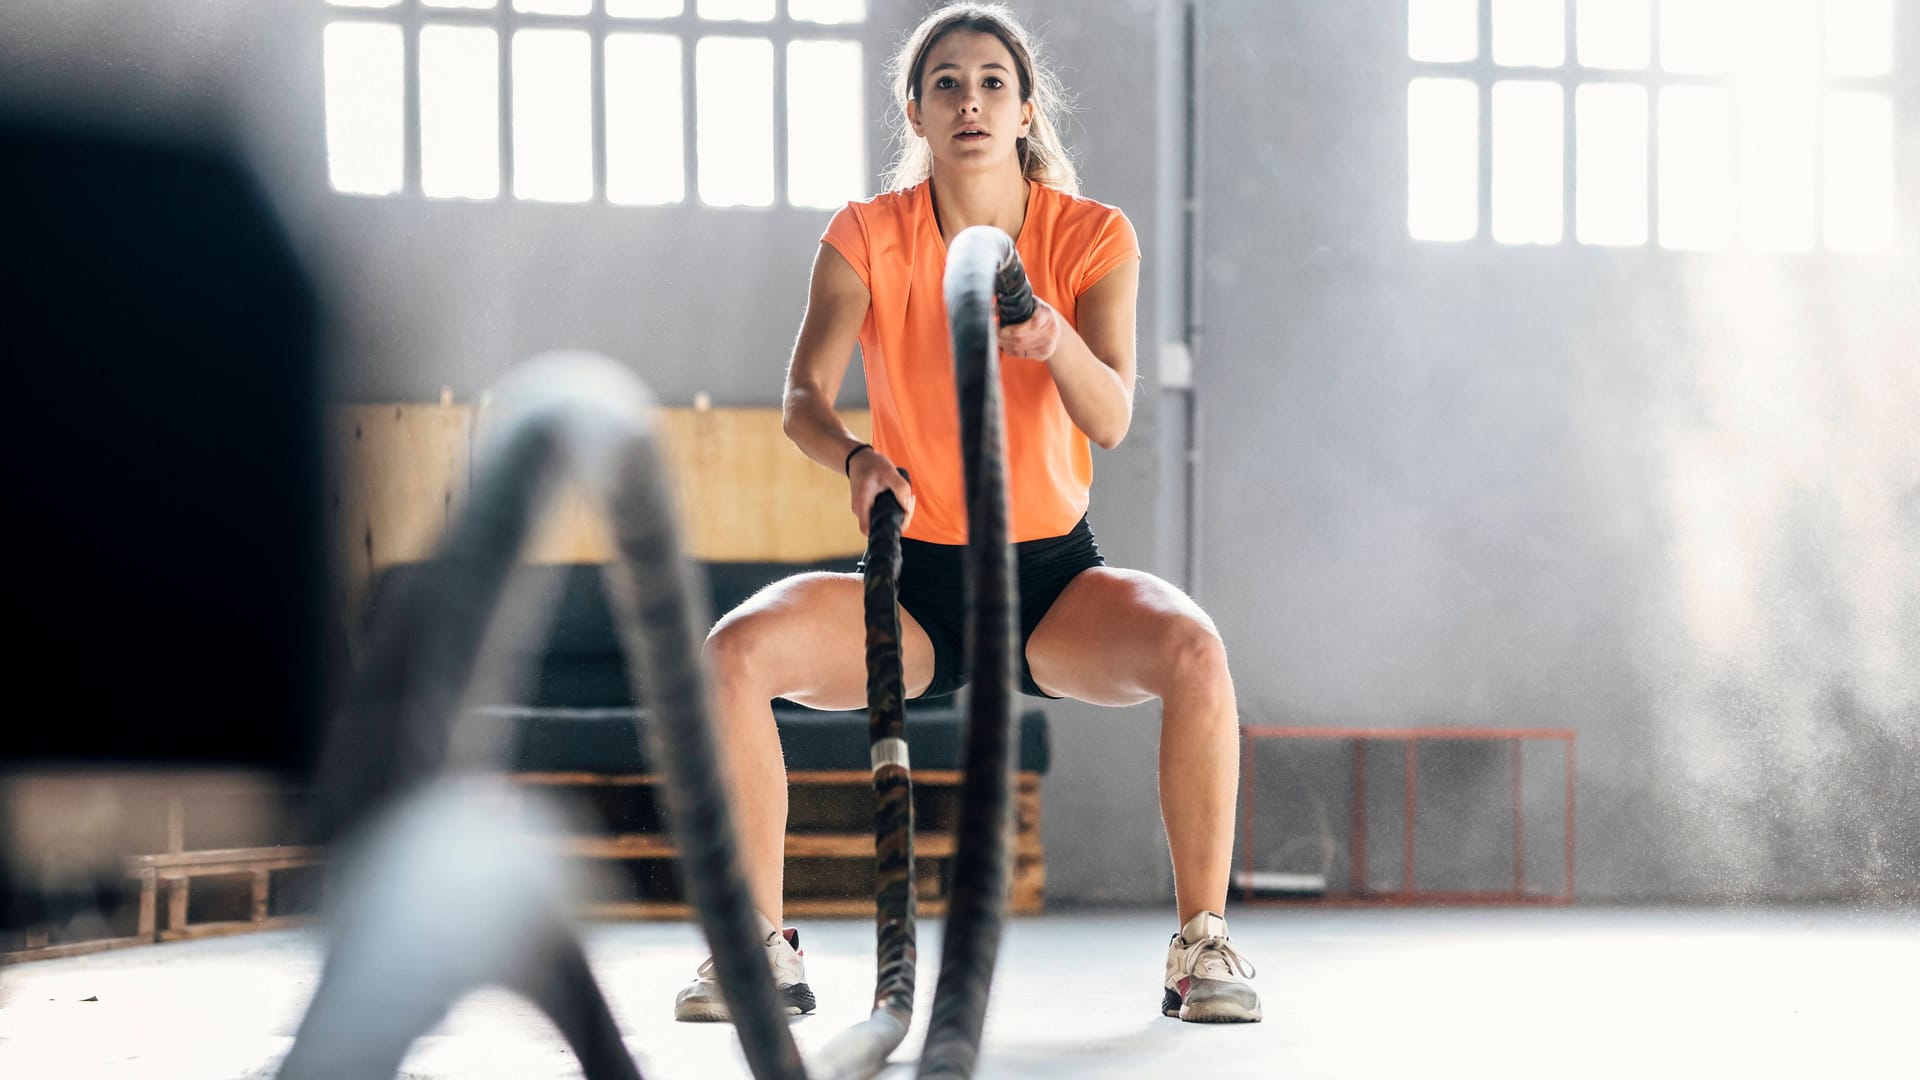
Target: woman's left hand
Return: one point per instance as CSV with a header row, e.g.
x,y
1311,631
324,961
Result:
x,y
1035,339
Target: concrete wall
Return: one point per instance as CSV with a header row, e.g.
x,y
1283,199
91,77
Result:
x,y
1668,500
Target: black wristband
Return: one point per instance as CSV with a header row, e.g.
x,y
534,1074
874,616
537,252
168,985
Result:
x,y
848,467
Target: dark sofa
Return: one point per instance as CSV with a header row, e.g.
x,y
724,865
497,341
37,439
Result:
x,y
571,715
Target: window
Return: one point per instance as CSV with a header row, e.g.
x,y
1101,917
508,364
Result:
x,y
1762,125
745,103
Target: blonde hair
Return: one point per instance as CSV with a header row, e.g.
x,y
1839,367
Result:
x,y
1043,156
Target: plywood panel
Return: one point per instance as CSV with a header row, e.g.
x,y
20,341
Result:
x,y
399,473
744,493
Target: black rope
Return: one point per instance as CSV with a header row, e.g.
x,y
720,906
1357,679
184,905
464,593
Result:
x,y
983,279
862,1050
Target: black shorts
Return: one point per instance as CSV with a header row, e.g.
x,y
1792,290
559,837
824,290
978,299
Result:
x,y
931,591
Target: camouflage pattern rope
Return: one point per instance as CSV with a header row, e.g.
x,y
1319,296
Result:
x,y
862,1050
983,280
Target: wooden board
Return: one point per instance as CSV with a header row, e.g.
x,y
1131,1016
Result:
x,y
398,473
743,492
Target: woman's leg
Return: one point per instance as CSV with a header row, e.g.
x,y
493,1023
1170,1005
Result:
x,y
803,639
1122,637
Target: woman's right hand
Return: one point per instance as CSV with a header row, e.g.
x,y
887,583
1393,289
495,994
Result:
x,y
870,473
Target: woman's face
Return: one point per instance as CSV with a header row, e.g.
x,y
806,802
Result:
x,y
970,110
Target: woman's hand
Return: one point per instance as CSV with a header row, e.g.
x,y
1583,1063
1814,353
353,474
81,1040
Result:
x,y
1035,339
870,473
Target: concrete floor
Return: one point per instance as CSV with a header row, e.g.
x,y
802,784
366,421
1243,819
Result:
x,y
1539,993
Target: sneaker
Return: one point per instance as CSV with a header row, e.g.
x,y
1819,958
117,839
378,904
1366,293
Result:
x,y
701,999
1206,979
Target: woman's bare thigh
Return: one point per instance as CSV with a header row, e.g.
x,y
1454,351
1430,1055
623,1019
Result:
x,y
804,639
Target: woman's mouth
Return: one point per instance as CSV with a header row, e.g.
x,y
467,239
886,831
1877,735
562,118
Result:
x,y
971,135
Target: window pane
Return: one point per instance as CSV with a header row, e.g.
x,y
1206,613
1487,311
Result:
x,y
554,7
827,11
1610,164
1777,167
1530,33
645,9
646,160
1443,159
733,124
826,124
1777,40
1443,31
459,112
1860,37
1696,168
1528,178
478,5
1693,35
1859,171
365,3
1615,33
737,10
366,133
552,115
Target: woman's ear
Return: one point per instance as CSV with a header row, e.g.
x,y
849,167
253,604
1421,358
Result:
x,y
913,117
1026,118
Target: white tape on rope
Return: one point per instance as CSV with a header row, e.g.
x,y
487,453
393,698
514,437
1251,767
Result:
x,y
889,752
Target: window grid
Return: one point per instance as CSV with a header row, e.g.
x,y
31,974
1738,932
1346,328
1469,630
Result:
x,y
1573,73
414,16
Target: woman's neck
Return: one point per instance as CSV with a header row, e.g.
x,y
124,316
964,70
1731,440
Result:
x,y
962,200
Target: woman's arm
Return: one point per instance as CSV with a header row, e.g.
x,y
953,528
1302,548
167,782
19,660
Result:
x,y
1093,367
837,302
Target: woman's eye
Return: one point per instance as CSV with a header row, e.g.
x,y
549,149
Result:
x,y
994,84
944,82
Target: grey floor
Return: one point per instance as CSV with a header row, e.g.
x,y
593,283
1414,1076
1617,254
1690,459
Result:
x,y
1542,993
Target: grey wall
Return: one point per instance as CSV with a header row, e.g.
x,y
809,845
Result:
x,y
1667,500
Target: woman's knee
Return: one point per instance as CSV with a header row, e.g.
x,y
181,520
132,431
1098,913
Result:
x,y
755,646
1194,657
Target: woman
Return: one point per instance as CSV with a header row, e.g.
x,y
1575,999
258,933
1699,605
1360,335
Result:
x,y
979,147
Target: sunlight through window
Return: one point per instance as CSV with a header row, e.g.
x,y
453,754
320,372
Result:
x,y
1443,31
645,9
736,10
1858,171
1527,177
1693,35
1778,167
646,162
366,133
733,123
1443,159
459,112
1859,37
1530,33
826,148
1696,174
832,12
552,115
1614,34
1610,164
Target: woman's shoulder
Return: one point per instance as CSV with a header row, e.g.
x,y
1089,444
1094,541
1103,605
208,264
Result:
x,y
899,204
1070,207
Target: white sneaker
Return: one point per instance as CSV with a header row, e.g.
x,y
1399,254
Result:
x,y
701,999
1206,979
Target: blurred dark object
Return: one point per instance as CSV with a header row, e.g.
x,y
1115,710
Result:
x,y
165,463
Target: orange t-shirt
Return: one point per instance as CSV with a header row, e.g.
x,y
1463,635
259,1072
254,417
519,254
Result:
x,y
1067,243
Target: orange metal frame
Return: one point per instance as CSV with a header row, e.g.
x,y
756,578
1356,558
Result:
x,y
1359,892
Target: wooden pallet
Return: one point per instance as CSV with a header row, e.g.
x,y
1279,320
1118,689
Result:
x,y
830,827
839,856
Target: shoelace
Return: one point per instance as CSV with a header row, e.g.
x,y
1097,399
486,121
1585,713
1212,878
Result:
x,y
1220,948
